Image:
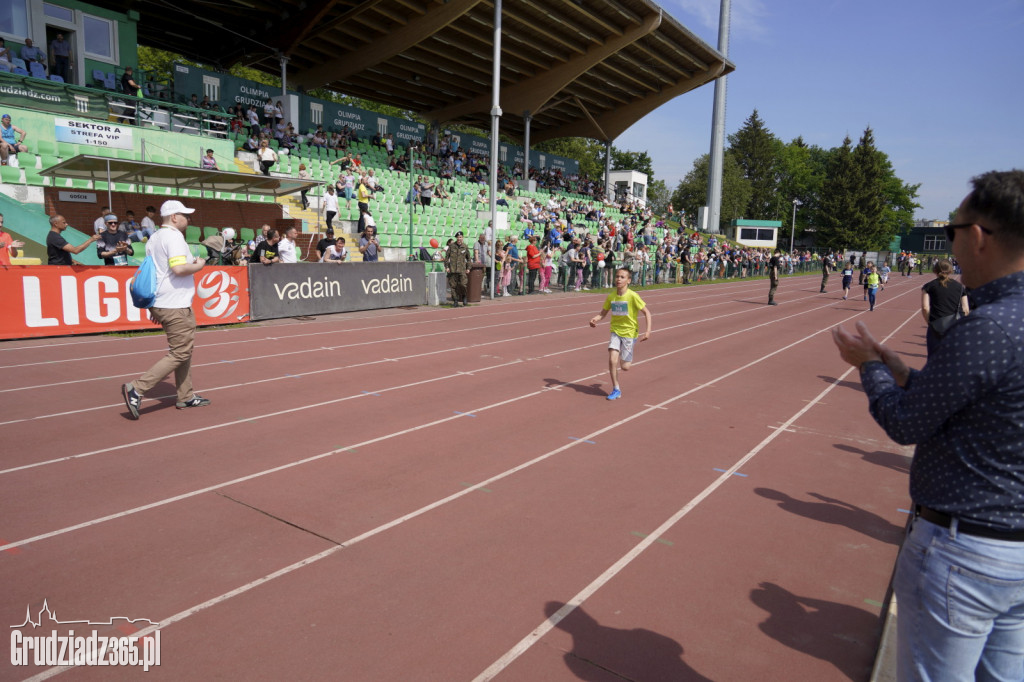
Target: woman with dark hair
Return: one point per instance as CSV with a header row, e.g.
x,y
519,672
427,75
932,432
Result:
x,y
943,300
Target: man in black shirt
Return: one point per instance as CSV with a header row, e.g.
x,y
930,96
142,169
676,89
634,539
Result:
x,y
58,251
773,276
113,244
328,240
266,251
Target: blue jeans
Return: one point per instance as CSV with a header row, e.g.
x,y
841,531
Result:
x,y
960,601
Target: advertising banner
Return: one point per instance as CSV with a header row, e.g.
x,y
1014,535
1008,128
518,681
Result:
x,y
93,133
52,300
290,289
60,98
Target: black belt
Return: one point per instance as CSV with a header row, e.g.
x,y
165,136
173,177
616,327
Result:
x,y
945,520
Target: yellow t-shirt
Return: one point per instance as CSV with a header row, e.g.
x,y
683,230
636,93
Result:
x,y
873,280
363,194
625,310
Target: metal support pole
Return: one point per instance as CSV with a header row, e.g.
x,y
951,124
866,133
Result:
x,y
284,86
608,192
718,129
526,149
495,115
792,228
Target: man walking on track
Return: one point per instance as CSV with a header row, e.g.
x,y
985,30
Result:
x,y
827,266
624,305
172,309
456,264
959,578
773,276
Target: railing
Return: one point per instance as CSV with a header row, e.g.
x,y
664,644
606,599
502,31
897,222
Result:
x,y
41,94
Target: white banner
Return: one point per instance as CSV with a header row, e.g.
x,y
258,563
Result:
x,y
78,197
94,133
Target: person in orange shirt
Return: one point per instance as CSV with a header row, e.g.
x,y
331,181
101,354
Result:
x,y
8,245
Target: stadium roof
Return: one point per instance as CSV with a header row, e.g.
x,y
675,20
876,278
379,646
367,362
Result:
x,y
584,68
102,169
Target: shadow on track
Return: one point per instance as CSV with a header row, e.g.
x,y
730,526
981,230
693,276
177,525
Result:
x,y
843,635
837,512
600,653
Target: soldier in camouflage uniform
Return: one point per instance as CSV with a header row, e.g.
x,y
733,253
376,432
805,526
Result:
x,y
456,264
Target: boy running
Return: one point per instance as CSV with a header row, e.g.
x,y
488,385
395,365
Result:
x,y
624,305
871,282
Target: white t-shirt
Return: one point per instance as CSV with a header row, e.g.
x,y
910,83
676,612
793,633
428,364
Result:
x,y
99,226
286,250
147,223
330,202
333,252
168,248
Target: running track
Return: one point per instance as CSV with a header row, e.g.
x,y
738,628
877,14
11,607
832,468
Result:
x,y
437,494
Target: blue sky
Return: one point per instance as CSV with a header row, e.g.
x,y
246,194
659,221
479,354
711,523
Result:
x,y
941,83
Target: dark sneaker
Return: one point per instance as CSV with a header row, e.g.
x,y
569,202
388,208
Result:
x,y
772,303
195,401
132,400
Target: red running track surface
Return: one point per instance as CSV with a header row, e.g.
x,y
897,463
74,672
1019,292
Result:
x,y
438,494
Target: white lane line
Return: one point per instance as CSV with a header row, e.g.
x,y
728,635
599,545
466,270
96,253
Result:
x,y
357,365
122,354
437,315
528,641
402,432
346,367
552,621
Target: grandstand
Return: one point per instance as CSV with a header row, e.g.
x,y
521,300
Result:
x,y
44,179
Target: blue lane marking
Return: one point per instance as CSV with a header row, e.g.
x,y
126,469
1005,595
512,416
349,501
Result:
x,y
585,441
735,473
466,414
905,511
230,362
368,393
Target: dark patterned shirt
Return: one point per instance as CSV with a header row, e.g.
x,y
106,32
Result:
x,y
965,412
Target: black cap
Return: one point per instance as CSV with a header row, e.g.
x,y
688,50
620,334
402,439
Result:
x,y
458,234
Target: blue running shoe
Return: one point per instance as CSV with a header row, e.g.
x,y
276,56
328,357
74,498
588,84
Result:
x,y
615,394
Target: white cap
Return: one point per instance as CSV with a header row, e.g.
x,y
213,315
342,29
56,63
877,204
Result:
x,y
174,206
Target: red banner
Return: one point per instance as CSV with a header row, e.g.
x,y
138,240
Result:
x,y
56,300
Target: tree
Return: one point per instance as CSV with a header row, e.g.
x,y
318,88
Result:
x,y
634,161
802,169
757,151
691,193
657,196
590,153
837,203
869,223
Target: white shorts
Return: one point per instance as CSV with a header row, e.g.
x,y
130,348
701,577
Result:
x,y
623,344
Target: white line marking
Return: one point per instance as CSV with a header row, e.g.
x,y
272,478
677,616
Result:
x,y
526,642
395,434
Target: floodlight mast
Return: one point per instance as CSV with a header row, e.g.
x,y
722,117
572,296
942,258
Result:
x,y
718,129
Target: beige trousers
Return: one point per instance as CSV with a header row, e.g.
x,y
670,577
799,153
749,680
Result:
x,y
180,327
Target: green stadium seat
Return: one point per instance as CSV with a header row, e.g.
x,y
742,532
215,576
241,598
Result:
x,y
33,178
10,175
46,147
193,235
247,233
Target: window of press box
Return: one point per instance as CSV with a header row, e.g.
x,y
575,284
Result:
x,y
99,38
14,18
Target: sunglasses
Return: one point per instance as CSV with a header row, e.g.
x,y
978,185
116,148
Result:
x,y
951,230
111,222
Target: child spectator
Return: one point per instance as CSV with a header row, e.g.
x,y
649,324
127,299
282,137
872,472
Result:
x,y
624,305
